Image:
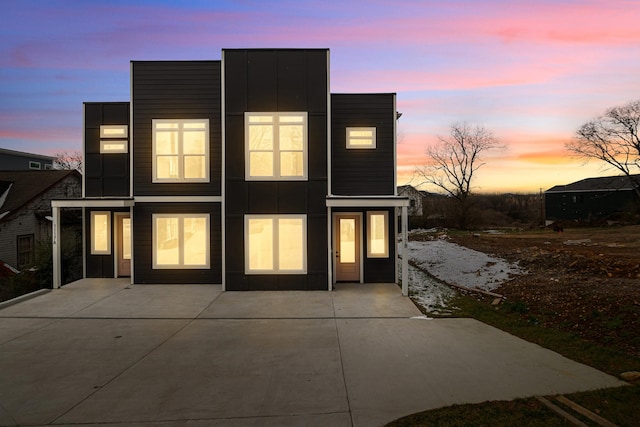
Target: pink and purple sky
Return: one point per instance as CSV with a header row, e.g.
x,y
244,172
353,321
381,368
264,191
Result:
x,y
532,71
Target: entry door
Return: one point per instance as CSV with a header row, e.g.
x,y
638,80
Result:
x,y
124,245
347,252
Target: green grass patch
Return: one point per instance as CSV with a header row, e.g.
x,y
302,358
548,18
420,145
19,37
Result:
x,y
618,405
521,412
513,317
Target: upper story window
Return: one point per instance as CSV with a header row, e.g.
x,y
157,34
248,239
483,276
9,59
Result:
x,y
113,139
276,146
361,137
34,165
180,150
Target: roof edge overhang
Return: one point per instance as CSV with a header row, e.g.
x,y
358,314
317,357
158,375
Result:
x,y
367,201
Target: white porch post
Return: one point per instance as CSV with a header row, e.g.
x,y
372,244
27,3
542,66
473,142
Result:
x,y
55,241
405,251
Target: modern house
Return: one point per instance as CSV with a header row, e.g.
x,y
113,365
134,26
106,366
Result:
x,y
25,210
246,172
592,198
11,160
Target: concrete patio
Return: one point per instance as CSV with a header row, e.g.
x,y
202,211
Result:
x,y
101,351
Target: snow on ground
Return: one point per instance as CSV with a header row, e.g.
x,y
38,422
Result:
x,y
453,264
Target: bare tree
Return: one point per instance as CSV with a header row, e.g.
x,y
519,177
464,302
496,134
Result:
x,y
453,162
68,160
612,138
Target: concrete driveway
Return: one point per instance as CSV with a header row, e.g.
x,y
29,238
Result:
x,y
101,351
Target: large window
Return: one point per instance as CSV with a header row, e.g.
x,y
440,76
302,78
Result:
x,y
276,146
26,250
275,244
180,150
100,233
180,241
361,137
377,234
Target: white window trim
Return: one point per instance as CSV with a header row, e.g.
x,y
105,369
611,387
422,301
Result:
x,y
350,138
104,142
123,131
180,265
275,269
276,149
180,123
386,234
33,165
93,230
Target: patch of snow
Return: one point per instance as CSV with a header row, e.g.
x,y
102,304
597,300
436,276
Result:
x,y
429,293
462,266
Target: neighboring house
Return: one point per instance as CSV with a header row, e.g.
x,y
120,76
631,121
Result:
x,y
11,160
416,198
25,210
245,172
591,198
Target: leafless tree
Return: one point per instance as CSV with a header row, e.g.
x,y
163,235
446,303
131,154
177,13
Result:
x,y
612,138
68,160
454,161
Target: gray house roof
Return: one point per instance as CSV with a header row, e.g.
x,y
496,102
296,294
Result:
x,y
17,188
606,183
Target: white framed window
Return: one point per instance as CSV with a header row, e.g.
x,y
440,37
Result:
x,y
276,146
34,165
112,139
100,233
377,234
180,150
361,137
180,241
275,244
115,146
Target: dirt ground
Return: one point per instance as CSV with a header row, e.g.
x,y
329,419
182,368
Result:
x,y
583,280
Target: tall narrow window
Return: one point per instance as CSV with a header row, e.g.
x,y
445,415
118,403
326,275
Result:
x,y
100,233
181,150
275,244
26,250
377,234
276,146
181,241
361,137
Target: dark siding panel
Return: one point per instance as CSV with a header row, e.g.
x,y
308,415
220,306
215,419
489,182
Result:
x,y
176,90
107,175
143,255
100,265
363,172
317,79
236,81
276,80
317,147
292,82
262,81
380,270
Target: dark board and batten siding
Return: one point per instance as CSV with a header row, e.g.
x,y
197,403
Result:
x,y
100,265
377,270
106,175
362,171
268,80
175,90
143,238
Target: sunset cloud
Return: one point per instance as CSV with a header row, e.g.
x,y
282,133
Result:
x,y
531,71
